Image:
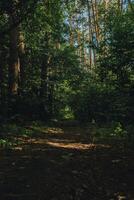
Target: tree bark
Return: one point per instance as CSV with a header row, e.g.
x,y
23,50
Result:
x,y
14,62
90,33
21,48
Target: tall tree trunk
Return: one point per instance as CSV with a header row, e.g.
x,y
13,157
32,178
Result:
x,y
21,47
14,62
83,42
44,78
3,79
95,20
2,95
71,32
90,33
44,70
120,4
1,74
95,29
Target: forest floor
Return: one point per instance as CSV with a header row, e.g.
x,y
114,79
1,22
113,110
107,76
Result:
x,y
63,163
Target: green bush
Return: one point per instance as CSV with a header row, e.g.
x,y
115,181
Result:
x,y
102,103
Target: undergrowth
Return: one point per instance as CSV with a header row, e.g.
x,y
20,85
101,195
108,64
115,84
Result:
x,y
10,133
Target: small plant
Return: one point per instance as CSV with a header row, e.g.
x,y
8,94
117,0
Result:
x,y
6,144
119,130
28,132
25,132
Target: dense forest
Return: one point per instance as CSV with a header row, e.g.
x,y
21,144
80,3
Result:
x,y
67,59
68,64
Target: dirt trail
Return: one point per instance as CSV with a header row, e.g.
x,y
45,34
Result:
x,y
63,164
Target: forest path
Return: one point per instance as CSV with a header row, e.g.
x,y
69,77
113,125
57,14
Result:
x,y
61,163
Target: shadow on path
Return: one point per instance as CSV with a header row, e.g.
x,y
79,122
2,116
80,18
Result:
x,y
63,164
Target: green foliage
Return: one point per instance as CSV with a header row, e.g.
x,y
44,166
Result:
x,y
119,131
55,81
5,144
66,113
116,49
13,129
109,95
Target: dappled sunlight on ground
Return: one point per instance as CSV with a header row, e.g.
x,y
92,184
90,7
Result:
x,y
46,130
71,138
55,131
77,146
64,164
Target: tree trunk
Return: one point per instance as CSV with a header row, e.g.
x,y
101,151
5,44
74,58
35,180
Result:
x,y
44,77
131,5
96,28
44,70
71,31
90,33
14,62
120,4
1,73
21,46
